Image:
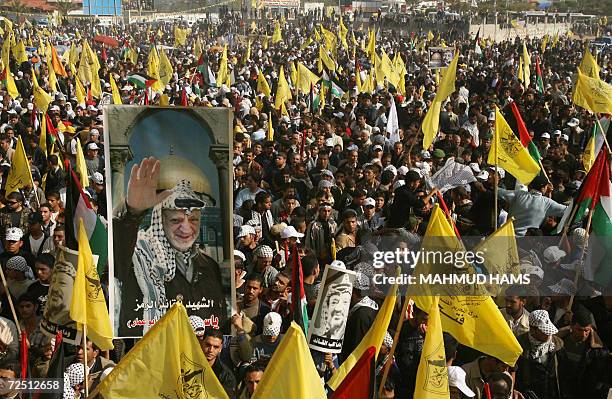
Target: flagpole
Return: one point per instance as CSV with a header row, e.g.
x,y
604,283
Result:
x,y
581,263
12,306
603,134
398,329
85,360
496,174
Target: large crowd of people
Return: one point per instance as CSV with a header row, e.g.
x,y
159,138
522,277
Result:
x,y
327,171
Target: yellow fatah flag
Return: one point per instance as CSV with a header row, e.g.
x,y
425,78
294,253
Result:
x,y
358,82
115,91
81,166
180,36
19,52
262,84
197,48
153,70
511,154
293,362
88,64
6,52
431,123
165,68
20,174
282,91
520,69
132,56
325,59
88,306
270,128
248,52
167,362
73,55
555,40
591,94
52,77
526,76
373,338
589,66
223,71
432,374
430,36
306,43
342,34
11,87
401,85
42,99
500,253
475,321
306,78
294,74
277,35
544,43
80,91
371,49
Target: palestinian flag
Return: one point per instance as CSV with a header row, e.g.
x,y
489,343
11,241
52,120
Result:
x,y
539,81
524,134
78,206
360,382
595,196
298,295
141,80
201,67
334,88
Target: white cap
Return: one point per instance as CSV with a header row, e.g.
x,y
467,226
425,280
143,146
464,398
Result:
x,y
557,133
290,232
91,108
244,230
545,135
240,255
92,146
456,378
425,154
93,132
377,147
553,254
573,122
30,106
369,202
565,137
97,178
13,234
475,167
398,184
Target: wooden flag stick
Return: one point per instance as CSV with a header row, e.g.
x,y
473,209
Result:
x,y
398,329
85,360
581,263
10,301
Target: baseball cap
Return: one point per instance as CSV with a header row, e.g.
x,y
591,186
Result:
x,y
557,133
573,122
438,153
540,320
425,154
92,146
545,135
456,378
290,232
377,147
553,254
244,230
369,202
97,178
240,255
13,234
483,175
272,324
565,137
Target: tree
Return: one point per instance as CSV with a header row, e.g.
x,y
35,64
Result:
x,y
65,6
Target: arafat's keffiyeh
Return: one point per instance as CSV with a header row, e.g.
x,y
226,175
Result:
x,y
155,260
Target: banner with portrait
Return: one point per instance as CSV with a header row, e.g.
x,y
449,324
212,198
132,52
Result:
x,y
56,316
168,173
326,329
440,57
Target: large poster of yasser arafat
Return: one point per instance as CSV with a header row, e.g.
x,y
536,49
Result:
x,y
168,174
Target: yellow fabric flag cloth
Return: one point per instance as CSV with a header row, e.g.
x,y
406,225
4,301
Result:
x,y
20,174
282,91
88,305
81,166
432,375
591,94
167,362
511,154
291,372
115,91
